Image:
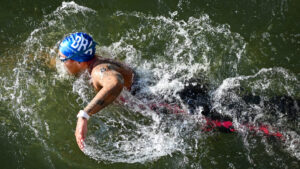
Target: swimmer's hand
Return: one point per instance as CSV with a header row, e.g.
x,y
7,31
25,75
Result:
x,y
81,131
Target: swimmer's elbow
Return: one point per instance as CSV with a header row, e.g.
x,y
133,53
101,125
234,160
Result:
x,y
116,83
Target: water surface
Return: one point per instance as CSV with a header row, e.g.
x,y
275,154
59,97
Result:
x,y
245,52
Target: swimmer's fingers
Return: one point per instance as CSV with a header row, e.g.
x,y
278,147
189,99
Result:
x,y
79,141
80,133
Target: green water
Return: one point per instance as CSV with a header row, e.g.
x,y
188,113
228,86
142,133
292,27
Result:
x,y
235,47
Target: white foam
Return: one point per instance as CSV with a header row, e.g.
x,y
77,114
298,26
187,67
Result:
x,y
176,62
53,27
27,80
150,145
84,90
72,7
61,70
187,53
265,83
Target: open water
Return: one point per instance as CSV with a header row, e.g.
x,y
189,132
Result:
x,y
246,53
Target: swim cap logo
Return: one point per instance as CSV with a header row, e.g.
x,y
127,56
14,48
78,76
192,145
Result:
x,y
76,42
80,42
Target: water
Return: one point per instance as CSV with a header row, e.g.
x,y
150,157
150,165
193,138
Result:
x,y
245,52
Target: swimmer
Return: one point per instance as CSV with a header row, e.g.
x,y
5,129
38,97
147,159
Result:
x,y
108,77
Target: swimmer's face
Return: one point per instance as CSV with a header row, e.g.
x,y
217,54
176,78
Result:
x,y
72,66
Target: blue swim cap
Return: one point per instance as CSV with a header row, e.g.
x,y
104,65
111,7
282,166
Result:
x,y
78,46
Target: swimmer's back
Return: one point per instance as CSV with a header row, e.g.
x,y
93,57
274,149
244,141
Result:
x,y
103,65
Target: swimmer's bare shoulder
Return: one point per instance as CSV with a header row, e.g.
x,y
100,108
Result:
x,y
111,67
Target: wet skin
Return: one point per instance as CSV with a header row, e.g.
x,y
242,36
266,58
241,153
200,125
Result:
x,y
108,78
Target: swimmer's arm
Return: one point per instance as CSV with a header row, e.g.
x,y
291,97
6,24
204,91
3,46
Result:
x,y
108,93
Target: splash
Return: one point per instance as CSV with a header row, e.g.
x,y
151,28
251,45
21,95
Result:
x,y
25,84
180,50
269,97
174,51
167,53
54,26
